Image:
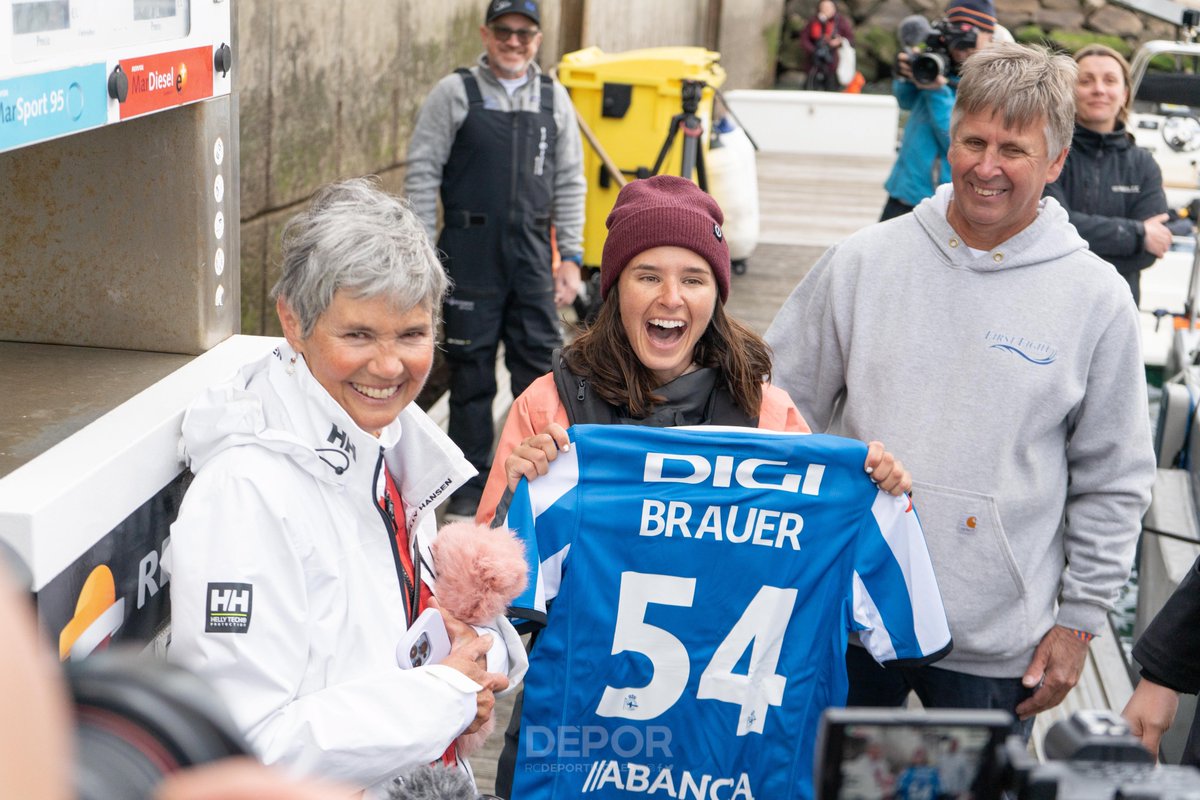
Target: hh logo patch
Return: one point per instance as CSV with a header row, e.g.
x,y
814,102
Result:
x,y
229,607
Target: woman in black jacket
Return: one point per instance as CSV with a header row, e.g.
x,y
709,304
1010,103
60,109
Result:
x,y
1111,188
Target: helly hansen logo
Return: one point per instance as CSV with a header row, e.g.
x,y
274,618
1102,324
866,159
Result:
x,y
229,606
342,440
338,457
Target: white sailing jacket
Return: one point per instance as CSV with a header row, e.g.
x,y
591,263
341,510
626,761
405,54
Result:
x,y
285,590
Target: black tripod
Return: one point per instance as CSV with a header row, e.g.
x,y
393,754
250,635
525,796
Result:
x,y
693,129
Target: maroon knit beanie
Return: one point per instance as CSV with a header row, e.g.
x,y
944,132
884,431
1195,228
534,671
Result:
x,y
660,211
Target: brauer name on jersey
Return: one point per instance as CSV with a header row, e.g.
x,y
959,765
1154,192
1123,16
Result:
x,y
721,522
671,519
636,779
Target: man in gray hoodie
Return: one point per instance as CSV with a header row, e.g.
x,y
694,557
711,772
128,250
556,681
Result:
x,y
983,341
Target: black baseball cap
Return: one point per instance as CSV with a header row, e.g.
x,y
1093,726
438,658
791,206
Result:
x,y
498,8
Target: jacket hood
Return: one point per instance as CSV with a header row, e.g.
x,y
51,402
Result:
x,y
1049,237
276,403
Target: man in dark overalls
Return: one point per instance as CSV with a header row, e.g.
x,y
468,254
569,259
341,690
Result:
x,y
500,143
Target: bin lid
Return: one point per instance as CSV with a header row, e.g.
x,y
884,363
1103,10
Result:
x,y
653,66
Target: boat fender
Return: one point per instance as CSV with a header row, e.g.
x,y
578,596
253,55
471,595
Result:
x,y
1176,415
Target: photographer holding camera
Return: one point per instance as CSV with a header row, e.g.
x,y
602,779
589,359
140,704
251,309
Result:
x,y
821,39
921,163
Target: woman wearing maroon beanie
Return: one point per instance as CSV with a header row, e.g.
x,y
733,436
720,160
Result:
x,y
662,352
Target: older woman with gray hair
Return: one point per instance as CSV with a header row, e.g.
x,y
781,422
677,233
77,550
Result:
x,y
301,549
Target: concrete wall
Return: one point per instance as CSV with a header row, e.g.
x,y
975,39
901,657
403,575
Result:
x,y
614,25
748,40
330,89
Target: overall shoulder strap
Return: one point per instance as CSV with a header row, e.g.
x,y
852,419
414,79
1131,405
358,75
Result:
x,y
474,96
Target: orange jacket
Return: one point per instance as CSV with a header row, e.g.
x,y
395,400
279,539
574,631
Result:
x,y
539,405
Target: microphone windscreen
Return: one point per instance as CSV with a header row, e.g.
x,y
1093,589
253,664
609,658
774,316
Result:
x,y
913,30
434,783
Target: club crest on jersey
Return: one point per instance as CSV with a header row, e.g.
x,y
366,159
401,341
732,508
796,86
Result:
x,y
228,607
722,472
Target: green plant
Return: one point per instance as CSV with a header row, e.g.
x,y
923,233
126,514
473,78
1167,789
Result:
x,y
1070,41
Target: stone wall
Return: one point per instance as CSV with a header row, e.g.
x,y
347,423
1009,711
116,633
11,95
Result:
x,y
1067,24
331,88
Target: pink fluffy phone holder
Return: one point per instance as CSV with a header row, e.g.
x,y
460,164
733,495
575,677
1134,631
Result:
x,y
480,571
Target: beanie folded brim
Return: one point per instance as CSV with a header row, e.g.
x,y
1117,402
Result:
x,y
664,211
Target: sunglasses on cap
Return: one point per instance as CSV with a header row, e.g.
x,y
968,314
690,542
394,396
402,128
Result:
x,y
503,33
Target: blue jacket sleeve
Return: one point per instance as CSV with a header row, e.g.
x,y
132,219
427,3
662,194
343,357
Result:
x,y
905,93
941,102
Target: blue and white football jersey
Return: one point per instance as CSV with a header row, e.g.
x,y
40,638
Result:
x,y
704,582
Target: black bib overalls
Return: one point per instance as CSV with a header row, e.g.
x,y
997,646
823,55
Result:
x,y
497,194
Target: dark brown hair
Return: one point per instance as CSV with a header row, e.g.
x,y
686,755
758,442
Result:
x,y
603,355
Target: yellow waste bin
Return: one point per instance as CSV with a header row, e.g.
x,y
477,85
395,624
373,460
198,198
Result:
x,y
629,100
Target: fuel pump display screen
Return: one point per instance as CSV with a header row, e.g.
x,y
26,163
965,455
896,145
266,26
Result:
x,y
39,16
153,9
47,29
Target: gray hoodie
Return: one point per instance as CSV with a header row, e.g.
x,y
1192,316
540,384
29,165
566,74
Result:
x,y
1011,385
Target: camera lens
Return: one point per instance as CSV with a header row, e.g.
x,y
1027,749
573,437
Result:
x,y
927,67
140,719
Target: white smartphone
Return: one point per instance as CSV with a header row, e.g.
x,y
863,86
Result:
x,y
425,642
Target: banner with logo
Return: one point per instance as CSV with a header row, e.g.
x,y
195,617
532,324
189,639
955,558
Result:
x,y
117,590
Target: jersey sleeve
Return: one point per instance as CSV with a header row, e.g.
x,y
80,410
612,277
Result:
x,y
542,515
898,609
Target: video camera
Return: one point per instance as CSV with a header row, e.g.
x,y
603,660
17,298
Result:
x,y
139,719
869,752
938,40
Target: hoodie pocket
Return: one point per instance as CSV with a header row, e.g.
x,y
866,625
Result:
x,y
982,587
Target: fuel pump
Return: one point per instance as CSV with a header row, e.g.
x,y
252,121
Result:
x,y
119,294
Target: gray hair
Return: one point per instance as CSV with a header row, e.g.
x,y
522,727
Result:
x,y
1025,85
357,237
